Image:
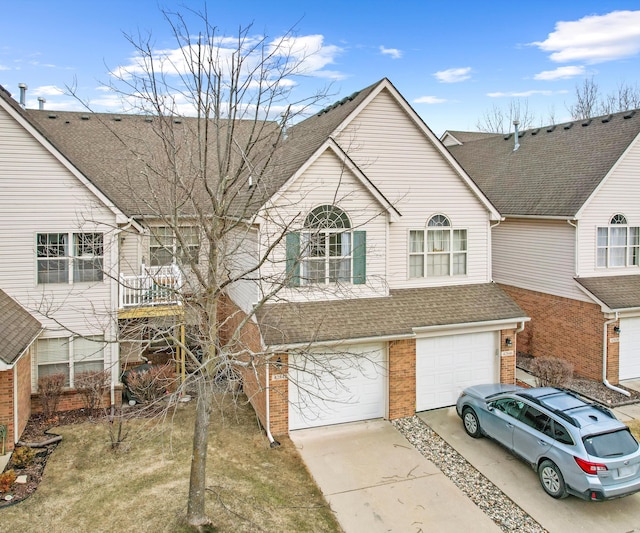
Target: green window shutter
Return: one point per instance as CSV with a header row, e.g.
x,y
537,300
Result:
x,y
293,265
359,257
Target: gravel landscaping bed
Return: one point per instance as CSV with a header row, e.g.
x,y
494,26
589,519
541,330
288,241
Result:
x,y
489,498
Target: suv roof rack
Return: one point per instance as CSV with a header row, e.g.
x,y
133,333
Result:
x,y
558,412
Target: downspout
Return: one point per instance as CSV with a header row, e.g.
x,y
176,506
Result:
x,y
273,443
604,359
576,254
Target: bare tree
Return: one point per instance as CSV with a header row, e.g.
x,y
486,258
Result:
x,y
587,100
200,170
590,103
500,120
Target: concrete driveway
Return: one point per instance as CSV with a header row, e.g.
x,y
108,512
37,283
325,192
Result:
x,y
375,481
520,483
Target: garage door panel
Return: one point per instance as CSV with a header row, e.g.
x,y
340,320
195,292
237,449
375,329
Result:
x,y
629,348
337,388
446,365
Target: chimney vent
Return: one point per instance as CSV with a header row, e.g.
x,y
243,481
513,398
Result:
x,y
516,145
23,94
41,101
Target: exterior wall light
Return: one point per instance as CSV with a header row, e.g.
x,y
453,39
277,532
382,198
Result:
x,y
616,329
508,342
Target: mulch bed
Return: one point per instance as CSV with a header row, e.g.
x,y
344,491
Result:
x,y
595,391
38,430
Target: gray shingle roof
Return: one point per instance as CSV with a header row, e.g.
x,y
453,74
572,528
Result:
x,y
616,292
18,329
556,168
397,314
121,154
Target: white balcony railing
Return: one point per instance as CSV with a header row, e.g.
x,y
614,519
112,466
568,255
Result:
x,y
154,286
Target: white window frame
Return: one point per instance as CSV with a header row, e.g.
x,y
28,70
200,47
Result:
x,y
80,252
327,247
618,244
163,240
422,255
71,355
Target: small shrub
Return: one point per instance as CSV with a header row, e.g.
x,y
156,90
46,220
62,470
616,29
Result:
x,y
50,389
7,480
551,371
92,385
150,384
23,456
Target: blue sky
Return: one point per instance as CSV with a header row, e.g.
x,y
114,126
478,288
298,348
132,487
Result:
x,y
453,61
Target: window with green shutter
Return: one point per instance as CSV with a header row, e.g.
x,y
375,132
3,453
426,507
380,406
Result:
x,y
327,250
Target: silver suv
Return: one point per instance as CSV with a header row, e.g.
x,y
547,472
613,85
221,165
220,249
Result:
x,y
576,447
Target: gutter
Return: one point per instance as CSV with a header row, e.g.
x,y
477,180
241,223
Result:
x,y
605,381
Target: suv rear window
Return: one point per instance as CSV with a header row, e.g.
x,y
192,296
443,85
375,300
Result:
x,y
614,444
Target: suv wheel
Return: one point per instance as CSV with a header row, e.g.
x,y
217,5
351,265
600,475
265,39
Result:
x,y
471,423
551,479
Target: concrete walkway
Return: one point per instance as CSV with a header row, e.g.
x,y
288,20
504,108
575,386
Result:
x,y
375,481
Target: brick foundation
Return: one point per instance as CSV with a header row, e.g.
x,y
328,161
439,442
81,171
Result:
x,y
72,399
568,329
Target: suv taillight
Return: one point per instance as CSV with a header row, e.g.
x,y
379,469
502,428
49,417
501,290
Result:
x,y
590,468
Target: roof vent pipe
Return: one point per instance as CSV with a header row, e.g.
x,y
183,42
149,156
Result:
x,y
516,123
23,94
41,101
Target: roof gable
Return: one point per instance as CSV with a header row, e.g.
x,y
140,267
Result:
x,y
25,120
555,170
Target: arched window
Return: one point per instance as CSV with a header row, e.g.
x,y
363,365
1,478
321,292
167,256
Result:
x,y
326,246
327,250
618,244
442,248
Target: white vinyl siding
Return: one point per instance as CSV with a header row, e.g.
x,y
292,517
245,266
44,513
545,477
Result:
x,y
537,255
413,175
328,181
245,292
40,195
618,194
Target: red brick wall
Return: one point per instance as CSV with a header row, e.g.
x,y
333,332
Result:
x,y
6,406
23,370
402,378
71,400
22,373
508,357
565,328
279,395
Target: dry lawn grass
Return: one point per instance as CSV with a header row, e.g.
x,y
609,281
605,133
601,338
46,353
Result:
x,y
87,487
634,426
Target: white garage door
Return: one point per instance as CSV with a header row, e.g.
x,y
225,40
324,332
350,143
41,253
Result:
x,y
629,348
333,388
446,365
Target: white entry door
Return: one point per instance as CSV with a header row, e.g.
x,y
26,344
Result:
x,y
629,348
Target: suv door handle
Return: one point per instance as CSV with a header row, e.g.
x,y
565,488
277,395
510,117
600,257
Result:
x,y
542,443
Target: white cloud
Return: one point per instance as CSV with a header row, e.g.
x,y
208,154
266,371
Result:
x,y
48,90
561,73
2,67
429,100
306,55
594,38
394,53
523,94
453,75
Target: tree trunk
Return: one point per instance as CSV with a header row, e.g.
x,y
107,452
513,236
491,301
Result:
x,y
196,514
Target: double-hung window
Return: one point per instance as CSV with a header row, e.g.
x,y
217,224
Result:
x,y
70,356
440,250
165,247
618,244
327,250
69,257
